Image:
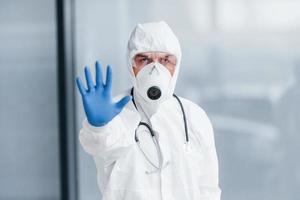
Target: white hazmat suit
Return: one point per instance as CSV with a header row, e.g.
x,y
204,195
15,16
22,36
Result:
x,y
189,170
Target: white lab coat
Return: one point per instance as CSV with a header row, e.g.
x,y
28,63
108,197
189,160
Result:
x,y
191,172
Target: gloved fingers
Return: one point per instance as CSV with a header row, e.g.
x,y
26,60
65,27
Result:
x,y
122,103
108,82
99,82
89,80
80,86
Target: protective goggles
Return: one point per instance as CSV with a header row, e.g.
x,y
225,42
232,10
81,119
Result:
x,y
142,59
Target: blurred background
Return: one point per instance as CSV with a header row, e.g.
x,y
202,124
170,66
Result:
x,y
241,63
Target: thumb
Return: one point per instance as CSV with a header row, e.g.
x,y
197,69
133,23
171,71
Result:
x,y
121,104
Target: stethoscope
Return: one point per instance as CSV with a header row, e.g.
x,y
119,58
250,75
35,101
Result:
x,y
156,143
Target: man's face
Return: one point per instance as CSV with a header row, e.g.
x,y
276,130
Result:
x,y
142,59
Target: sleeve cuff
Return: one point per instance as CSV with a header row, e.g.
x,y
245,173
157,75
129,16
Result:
x,y
100,129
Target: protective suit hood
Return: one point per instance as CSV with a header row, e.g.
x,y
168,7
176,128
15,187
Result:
x,y
152,37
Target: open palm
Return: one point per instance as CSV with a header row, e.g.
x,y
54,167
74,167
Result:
x,y
97,99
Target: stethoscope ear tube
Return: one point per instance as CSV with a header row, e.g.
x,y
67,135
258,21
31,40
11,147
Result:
x,y
184,119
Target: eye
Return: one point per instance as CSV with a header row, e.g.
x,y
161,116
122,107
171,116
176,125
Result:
x,y
144,59
165,60
148,60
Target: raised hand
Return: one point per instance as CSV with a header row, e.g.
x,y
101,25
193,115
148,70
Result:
x,y
97,99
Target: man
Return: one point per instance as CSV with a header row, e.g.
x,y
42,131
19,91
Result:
x,y
150,144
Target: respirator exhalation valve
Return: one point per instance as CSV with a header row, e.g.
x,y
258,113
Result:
x,y
154,93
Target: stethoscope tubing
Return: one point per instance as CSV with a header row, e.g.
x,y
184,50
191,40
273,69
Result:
x,y
149,127
156,143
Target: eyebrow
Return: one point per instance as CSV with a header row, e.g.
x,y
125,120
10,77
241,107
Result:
x,y
145,55
141,55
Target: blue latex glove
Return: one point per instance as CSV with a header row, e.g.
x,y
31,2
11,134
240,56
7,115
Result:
x,y
97,99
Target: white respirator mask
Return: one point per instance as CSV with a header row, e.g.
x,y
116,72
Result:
x,y
153,82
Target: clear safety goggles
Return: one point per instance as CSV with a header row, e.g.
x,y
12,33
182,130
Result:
x,y
142,59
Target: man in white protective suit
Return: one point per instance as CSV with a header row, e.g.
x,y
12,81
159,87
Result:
x,y
148,143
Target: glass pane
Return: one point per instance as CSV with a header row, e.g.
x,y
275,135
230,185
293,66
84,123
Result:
x,y
239,64
258,15
29,167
